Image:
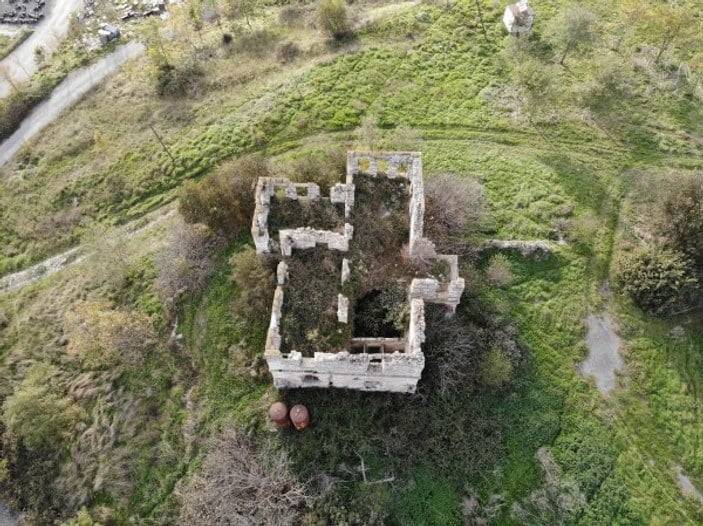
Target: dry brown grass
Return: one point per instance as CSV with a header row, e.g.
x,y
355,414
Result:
x,y
240,485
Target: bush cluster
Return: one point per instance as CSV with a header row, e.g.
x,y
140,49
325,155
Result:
x,y
179,80
333,18
103,337
240,484
38,414
659,280
255,283
682,221
455,205
224,201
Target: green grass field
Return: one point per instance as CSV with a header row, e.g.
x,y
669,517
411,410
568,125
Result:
x,y
426,68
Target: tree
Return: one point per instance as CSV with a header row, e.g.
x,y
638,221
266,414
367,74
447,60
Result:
x,y
659,280
333,18
606,87
573,28
664,23
237,9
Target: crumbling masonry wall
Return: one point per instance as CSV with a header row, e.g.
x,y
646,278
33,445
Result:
x,y
369,364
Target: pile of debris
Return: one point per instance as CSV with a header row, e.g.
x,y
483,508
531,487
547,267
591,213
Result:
x,y
141,8
22,11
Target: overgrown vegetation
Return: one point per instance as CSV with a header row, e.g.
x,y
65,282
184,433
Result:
x,y
555,148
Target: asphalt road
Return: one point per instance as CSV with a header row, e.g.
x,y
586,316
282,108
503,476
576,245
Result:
x,y
67,93
20,64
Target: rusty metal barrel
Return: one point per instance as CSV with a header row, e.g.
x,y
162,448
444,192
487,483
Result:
x,y
278,413
300,416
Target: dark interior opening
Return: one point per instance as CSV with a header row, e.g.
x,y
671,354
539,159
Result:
x,y
370,318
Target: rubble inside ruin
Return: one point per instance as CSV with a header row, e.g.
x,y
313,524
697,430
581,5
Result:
x,y
366,363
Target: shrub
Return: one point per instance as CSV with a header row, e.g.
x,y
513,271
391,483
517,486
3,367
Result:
x,y
255,284
287,52
187,261
15,108
37,413
178,81
106,338
333,18
682,218
454,208
240,485
257,43
325,167
659,280
573,28
499,271
496,368
224,200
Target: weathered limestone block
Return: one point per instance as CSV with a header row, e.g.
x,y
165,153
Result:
x,y
342,308
538,249
282,273
397,372
346,272
416,328
273,336
306,237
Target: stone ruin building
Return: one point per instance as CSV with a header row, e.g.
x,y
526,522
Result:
x,y
518,18
367,363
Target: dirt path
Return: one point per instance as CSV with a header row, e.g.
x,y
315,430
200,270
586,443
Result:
x,y
67,93
603,360
20,65
75,255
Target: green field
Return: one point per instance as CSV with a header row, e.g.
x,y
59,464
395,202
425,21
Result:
x,y
416,76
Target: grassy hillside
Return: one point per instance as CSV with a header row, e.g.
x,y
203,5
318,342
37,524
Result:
x,y
415,76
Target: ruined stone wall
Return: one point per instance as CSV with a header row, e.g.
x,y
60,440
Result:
x,y
306,237
396,372
370,364
266,188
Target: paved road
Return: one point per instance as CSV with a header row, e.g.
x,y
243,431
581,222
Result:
x,y
67,93
20,64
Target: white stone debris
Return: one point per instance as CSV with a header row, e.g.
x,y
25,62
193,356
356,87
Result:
x,y
368,364
518,18
107,33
